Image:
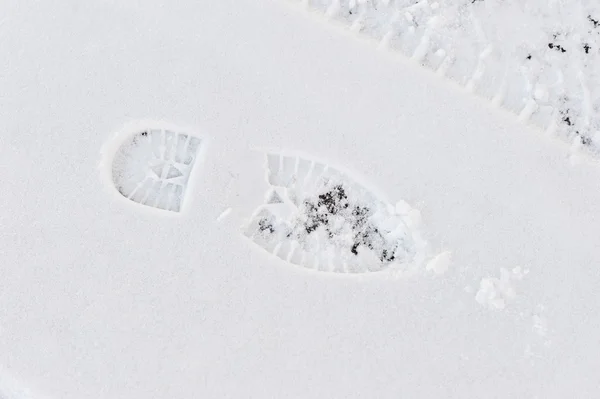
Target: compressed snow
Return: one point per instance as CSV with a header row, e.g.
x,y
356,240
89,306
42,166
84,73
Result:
x,y
152,164
105,297
328,222
538,59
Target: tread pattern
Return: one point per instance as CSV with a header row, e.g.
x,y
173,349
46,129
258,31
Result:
x,y
152,167
319,218
543,65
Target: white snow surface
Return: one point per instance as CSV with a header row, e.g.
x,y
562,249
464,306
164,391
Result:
x,y
105,298
538,59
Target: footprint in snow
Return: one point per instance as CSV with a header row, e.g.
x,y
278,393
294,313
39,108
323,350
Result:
x,y
317,217
150,164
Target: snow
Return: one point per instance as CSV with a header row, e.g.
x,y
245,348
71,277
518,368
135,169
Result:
x,y
105,297
318,217
537,59
440,264
150,163
496,293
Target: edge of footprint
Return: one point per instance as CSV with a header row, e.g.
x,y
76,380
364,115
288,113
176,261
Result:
x,y
569,143
397,270
131,128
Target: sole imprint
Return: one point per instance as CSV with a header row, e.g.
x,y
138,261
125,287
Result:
x,y
151,163
543,66
317,217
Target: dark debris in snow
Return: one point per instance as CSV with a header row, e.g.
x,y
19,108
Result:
x,y
335,203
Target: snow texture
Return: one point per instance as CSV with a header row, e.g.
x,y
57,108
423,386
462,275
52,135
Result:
x,y
105,297
440,264
328,222
537,59
152,166
497,293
